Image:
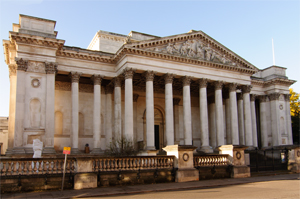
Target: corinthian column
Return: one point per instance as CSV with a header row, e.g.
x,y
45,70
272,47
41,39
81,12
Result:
x,y
169,109
204,133
187,123
219,113
263,120
149,110
253,116
75,110
233,114
128,120
97,113
247,115
50,69
117,109
20,105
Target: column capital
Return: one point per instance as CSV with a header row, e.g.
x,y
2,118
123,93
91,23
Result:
x,y
239,96
252,97
169,78
50,67
274,96
218,85
135,97
186,80
128,73
117,81
287,97
262,98
12,69
246,88
232,87
203,82
21,64
97,79
149,75
75,76
176,101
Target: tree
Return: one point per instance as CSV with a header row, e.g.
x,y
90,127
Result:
x,y
295,114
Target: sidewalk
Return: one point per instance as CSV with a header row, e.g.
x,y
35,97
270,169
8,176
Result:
x,y
135,189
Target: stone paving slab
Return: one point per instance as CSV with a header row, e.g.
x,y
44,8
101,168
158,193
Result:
x,y
135,189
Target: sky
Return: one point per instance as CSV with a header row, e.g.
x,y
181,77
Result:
x,y
245,27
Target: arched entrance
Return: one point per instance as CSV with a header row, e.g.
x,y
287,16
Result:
x,y
159,136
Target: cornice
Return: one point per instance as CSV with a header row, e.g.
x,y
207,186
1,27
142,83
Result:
x,y
277,81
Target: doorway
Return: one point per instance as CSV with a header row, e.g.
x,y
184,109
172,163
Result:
x,y
156,136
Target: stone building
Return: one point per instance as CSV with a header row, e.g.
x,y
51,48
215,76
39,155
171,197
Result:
x,y
185,89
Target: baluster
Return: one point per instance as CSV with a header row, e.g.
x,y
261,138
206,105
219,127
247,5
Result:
x,y
14,168
95,165
54,166
2,166
101,164
20,167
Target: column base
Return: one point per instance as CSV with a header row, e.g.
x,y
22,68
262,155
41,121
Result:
x,y
9,152
148,152
97,151
205,150
18,150
75,151
48,150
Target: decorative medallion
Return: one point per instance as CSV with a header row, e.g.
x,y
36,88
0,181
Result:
x,y
185,157
280,107
35,83
238,155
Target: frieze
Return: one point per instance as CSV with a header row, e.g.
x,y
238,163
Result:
x,y
203,82
274,96
21,64
50,67
12,69
169,78
37,41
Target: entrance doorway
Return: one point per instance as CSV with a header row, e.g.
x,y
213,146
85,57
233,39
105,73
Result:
x,y
156,136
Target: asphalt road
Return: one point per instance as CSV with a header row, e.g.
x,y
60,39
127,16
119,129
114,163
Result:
x,y
267,190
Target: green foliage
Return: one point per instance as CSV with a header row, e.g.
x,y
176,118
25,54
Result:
x,y
295,114
121,147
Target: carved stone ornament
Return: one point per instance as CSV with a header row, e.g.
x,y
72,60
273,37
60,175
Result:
x,y
35,83
169,78
149,75
203,83
232,87
21,64
218,85
274,96
238,155
280,106
128,73
252,97
50,67
287,97
185,157
12,69
186,80
75,77
97,79
246,88
135,97
262,98
36,67
117,81
176,101
239,96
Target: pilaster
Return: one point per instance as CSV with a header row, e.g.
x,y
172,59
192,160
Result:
x,y
275,118
263,120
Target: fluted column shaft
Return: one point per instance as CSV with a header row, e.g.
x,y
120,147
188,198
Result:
x,y
150,110
233,114
204,133
128,120
241,119
219,113
187,124
169,109
117,109
263,120
247,115
253,116
108,118
75,110
97,111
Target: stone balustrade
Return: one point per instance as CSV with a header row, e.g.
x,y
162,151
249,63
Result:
x,y
211,160
33,166
133,163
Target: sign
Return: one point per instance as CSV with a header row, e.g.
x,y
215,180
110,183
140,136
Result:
x,y
67,150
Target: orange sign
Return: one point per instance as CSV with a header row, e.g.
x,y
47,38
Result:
x,y
67,150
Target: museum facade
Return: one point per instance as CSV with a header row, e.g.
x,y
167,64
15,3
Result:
x,y
185,89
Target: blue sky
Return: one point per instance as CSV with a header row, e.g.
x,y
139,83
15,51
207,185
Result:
x,y
245,27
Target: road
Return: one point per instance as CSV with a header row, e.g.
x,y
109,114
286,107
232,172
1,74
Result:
x,y
271,189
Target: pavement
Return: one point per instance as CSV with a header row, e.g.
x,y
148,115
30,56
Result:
x,y
136,189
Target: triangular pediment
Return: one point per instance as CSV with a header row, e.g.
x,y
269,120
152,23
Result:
x,y
195,45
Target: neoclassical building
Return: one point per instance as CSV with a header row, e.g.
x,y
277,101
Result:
x,y
185,89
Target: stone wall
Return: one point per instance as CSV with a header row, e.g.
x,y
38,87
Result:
x,y
3,134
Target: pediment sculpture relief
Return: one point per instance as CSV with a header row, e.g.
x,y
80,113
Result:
x,y
195,49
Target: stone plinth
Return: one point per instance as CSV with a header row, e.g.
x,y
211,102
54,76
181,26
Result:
x,y
184,161
294,160
237,158
84,179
